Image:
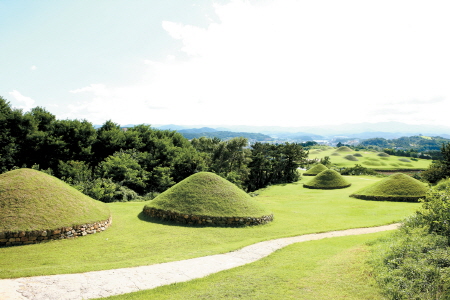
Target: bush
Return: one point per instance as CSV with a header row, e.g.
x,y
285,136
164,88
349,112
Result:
x,y
414,262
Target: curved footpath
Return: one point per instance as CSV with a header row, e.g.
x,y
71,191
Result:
x,y
98,284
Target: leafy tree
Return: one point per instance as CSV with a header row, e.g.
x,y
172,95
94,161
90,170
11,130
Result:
x,y
439,169
110,139
271,164
123,167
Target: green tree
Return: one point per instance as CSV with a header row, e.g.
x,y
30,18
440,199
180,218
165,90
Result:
x,y
124,168
439,169
110,139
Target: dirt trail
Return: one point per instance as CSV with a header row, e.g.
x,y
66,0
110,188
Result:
x,y
98,284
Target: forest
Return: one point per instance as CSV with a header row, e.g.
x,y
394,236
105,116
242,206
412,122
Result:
x,y
113,164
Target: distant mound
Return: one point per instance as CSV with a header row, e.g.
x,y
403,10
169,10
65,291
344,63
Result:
x,y
316,169
328,179
382,154
344,149
397,187
335,154
350,157
358,154
31,200
207,199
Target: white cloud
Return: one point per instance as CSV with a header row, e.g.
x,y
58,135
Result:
x,y
26,103
295,63
33,68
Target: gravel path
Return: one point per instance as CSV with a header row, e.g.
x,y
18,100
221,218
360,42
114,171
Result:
x,y
120,281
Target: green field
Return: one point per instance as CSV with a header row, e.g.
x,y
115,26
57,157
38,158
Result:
x,y
369,159
133,240
326,269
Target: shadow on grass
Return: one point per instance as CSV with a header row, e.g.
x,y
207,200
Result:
x,y
146,218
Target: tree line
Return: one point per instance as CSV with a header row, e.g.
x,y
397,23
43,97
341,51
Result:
x,y
113,164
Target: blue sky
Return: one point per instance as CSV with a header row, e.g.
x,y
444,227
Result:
x,y
280,63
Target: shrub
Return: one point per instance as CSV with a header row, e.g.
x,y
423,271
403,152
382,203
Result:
x,y
414,263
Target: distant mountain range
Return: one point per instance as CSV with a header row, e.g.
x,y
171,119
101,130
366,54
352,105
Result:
x,y
388,130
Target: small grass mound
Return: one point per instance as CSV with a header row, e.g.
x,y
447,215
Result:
x,y
397,187
404,159
328,179
382,154
32,200
344,149
351,157
335,154
358,155
316,169
207,194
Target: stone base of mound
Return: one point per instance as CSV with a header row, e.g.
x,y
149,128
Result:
x,y
179,218
383,198
325,188
9,238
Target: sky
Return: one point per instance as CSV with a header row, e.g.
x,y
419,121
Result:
x,y
285,63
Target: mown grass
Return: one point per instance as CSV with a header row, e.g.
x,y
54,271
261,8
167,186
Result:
x,y
333,268
133,240
371,160
32,200
207,194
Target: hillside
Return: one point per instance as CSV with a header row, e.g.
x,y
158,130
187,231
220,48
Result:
x,y
224,135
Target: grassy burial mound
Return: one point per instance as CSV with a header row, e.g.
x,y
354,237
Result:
x,y
36,206
351,157
383,154
344,149
397,187
328,179
316,169
207,199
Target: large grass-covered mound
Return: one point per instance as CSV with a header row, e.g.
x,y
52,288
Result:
x,y
328,179
397,187
207,194
316,169
344,149
32,200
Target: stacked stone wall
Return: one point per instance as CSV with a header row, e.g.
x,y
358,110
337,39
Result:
x,y
9,238
205,220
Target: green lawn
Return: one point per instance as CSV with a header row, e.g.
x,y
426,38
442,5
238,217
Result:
x,y
133,240
370,160
332,268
